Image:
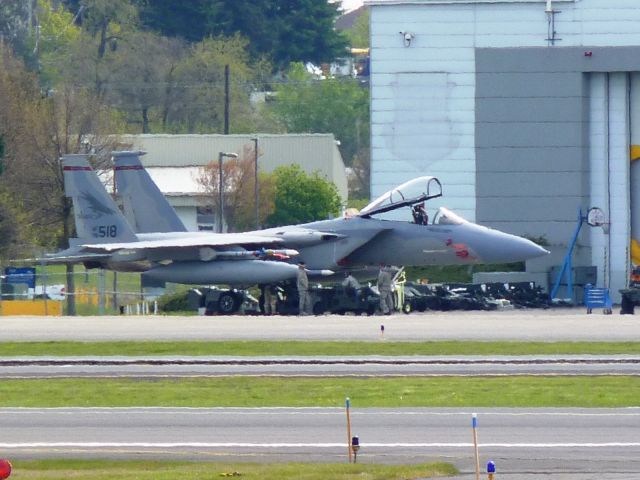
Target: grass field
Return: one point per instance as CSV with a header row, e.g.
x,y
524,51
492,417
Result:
x,y
300,348
165,470
324,392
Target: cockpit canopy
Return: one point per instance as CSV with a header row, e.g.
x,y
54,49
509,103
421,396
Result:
x,y
444,216
410,193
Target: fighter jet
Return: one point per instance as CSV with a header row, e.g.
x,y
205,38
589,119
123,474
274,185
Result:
x,y
106,240
357,241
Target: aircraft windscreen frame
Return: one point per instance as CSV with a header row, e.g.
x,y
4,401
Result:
x,y
409,193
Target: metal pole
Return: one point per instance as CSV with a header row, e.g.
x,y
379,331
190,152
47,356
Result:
x,y
256,187
348,406
220,198
101,291
474,423
226,99
44,288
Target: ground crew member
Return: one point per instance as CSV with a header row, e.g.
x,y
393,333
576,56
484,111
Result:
x,y
351,285
384,287
304,299
270,300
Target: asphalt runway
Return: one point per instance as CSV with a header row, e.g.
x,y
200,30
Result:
x,y
367,366
552,443
523,325
558,444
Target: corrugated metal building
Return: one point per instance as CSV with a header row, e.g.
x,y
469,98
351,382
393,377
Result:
x,y
525,109
174,161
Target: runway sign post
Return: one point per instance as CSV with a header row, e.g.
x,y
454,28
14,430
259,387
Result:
x,y
491,469
348,406
474,424
5,469
355,446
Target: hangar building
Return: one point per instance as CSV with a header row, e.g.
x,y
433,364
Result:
x,y
175,163
527,110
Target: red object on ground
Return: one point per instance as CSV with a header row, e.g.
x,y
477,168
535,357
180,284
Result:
x,y
5,469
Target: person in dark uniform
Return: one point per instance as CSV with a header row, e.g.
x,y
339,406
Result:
x,y
420,216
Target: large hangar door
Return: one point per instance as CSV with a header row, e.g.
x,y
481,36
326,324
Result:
x,y
634,118
611,104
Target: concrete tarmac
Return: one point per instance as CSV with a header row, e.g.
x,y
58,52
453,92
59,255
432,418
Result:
x,y
519,325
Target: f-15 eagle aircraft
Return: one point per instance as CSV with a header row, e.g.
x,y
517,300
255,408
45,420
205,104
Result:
x,y
167,252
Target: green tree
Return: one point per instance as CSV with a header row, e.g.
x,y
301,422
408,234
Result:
x,y
201,83
339,106
143,79
106,20
1,154
301,198
14,25
335,105
358,34
281,30
53,44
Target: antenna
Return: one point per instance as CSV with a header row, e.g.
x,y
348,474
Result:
x,y
552,37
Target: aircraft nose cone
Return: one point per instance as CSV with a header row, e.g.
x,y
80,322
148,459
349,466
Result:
x,y
500,247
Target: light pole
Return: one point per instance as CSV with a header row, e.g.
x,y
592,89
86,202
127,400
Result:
x,y
256,188
222,155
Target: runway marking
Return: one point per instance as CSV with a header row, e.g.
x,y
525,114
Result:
x,y
18,445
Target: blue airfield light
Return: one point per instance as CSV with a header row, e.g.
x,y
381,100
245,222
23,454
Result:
x,y
491,467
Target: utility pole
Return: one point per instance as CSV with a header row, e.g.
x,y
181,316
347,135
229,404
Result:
x,y
226,99
221,156
256,187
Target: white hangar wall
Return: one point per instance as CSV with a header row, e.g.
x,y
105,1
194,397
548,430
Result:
x,y
423,95
514,145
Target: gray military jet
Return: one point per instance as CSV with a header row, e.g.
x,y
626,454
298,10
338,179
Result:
x,y
165,251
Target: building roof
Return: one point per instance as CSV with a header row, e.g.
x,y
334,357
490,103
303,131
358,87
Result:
x,y
168,156
346,21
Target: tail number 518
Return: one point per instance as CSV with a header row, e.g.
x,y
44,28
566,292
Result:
x,y
106,231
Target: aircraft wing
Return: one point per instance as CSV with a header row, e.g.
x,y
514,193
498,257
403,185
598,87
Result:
x,y
70,258
213,240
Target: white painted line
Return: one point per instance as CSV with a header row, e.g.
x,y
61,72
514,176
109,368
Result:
x,y
304,445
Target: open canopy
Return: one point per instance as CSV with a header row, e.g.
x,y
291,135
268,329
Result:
x,y
409,193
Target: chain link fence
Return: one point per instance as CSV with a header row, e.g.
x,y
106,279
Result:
x,y
44,290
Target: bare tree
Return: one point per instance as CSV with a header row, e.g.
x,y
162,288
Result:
x,y
238,178
37,131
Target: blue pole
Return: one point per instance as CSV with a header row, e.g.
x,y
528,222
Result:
x,y
566,264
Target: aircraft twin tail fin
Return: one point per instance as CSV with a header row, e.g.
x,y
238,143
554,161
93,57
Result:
x,y
98,218
142,198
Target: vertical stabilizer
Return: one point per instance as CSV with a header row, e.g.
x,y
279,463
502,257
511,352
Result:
x,y
142,197
98,219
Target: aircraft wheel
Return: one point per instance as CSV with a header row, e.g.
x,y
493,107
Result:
x,y
406,308
227,303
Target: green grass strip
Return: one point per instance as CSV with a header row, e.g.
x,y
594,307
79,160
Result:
x,y
166,470
302,348
325,392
